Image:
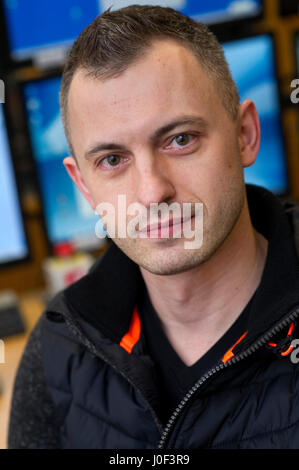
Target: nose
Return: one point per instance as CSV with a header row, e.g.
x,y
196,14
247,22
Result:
x,y
153,183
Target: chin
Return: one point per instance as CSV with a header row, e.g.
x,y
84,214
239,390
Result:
x,y
169,263
163,258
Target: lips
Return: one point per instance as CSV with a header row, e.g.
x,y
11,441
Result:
x,y
159,226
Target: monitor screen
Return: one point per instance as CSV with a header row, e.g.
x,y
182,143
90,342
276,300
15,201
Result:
x,y
219,11
68,215
13,245
213,11
36,27
252,63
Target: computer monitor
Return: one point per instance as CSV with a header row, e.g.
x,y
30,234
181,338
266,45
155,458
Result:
x,y
68,216
210,12
252,63
37,27
13,243
48,28
219,11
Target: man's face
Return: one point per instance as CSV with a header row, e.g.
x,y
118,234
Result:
x,y
158,133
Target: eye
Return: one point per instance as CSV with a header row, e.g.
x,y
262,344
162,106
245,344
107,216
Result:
x,y
111,160
181,140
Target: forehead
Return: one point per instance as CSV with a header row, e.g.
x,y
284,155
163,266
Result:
x,y
166,81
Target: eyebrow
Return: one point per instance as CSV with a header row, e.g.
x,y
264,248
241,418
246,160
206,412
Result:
x,y
183,121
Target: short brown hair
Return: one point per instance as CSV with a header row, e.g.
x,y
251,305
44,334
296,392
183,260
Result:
x,y
116,39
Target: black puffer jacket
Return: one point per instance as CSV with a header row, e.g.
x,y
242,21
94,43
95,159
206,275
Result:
x,y
92,384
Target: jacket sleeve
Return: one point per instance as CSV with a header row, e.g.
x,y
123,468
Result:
x,y
32,423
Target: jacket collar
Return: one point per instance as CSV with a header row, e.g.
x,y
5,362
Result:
x,y
107,295
278,291
105,298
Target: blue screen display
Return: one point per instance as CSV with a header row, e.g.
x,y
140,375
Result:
x,y
252,65
13,244
212,11
35,25
68,215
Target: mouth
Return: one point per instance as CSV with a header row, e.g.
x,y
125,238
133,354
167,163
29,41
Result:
x,y
166,229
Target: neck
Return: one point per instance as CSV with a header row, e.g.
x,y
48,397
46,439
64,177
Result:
x,y
202,303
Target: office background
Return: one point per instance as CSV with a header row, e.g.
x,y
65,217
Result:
x,y
43,216
43,207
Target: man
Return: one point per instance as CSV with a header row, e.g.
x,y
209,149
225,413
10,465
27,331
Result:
x,y
159,345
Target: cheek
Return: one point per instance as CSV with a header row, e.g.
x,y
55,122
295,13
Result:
x,y
224,165
213,176
208,173
217,160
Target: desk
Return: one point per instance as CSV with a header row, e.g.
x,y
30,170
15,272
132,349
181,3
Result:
x,y
31,307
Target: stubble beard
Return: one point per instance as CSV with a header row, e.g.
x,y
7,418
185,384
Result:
x,y
169,256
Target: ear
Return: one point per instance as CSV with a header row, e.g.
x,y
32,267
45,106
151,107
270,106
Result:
x,y
249,132
75,173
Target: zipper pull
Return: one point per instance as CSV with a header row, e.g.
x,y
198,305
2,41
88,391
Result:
x,y
229,354
284,346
